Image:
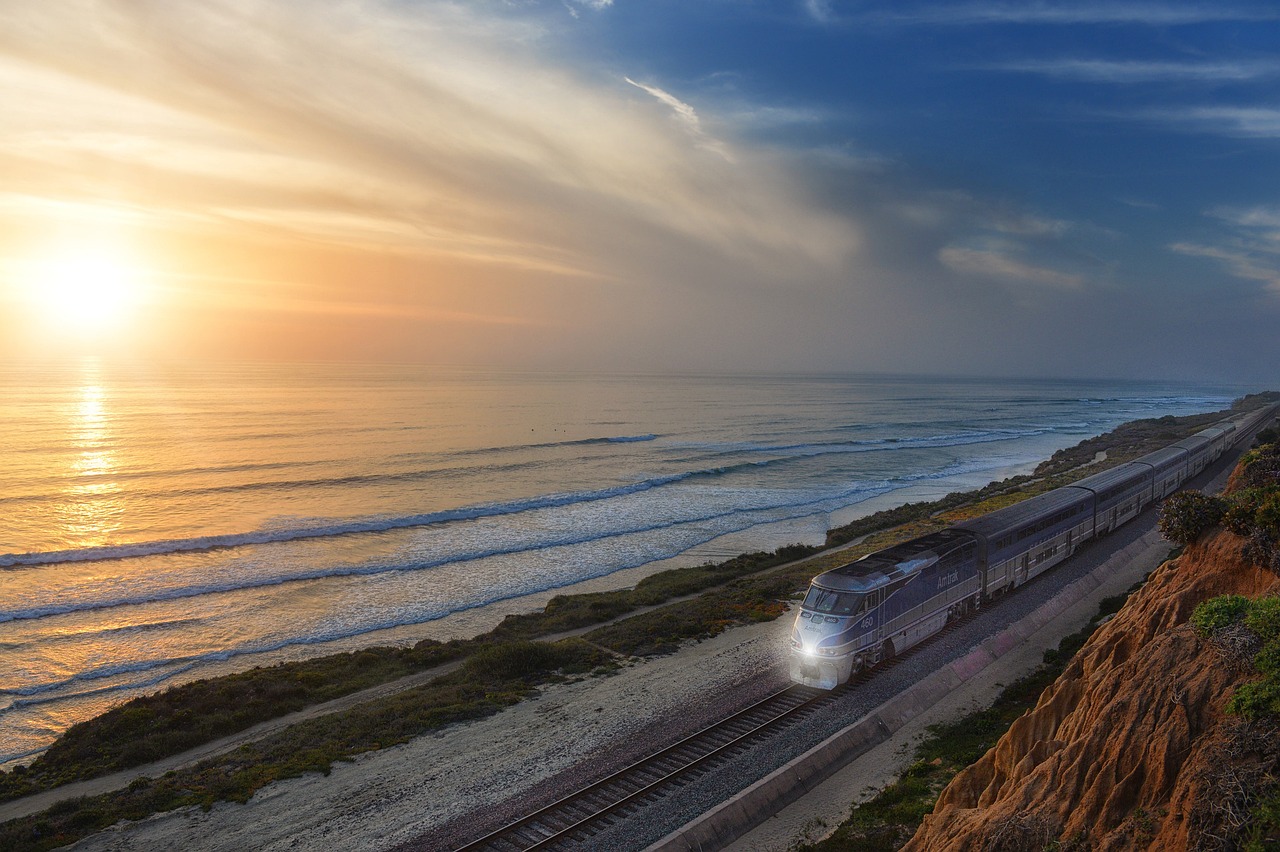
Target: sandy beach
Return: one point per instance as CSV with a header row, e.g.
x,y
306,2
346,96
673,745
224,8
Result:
x,y
392,796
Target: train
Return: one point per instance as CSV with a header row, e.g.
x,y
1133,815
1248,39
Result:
x,y
867,611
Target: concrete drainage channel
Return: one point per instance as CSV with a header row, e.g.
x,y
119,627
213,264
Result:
x,y
735,817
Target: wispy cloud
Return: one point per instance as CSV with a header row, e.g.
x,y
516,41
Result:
x,y
997,265
430,126
1234,121
1149,14
1252,249
1127,72
1139,203
1239,262
1260,217
687,116
769,116
595,5
1026,224
820,10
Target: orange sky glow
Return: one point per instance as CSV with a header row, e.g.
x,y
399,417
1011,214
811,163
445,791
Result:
x,y
418,195
578,184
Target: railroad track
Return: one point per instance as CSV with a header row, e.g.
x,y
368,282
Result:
x,y
573,820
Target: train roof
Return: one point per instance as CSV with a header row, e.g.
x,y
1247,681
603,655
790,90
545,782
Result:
x,y
1001,521
1164,456
883,567
1119,475
1195,443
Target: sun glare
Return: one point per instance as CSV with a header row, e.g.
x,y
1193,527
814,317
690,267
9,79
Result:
x,y
84,287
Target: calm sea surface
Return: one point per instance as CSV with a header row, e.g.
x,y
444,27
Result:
x,y
159,525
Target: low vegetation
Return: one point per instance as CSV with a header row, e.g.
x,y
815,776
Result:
x,y
888,819
569,612
1187,515
170,722
1248,632
494,677
1132,439
1251,510
1238,622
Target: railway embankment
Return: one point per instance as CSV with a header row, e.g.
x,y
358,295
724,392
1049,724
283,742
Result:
x,y
972,707
1164,731
933,700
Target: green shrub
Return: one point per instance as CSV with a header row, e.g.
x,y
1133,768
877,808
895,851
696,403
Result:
x,y
1261,698
1218,613
1264,822
1187,515
1263,618
1256,700
525,660
1267,660
1267,516
1239,518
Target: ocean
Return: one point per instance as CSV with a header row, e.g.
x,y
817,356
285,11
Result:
x,y
159,525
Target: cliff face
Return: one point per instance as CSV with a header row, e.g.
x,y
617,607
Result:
x,y
1130,748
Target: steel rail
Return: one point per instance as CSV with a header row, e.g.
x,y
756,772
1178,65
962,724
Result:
x,y
691,752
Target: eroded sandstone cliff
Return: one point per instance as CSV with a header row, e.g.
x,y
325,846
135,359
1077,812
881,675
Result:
x,y
1131,747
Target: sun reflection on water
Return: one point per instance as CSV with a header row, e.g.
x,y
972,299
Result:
x,y
95,506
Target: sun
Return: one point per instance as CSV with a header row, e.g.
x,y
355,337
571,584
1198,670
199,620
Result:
x,y
84,286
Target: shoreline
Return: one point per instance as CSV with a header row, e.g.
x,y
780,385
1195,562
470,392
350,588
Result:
x,y
478,621
926,509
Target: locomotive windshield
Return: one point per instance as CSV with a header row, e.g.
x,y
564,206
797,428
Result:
x,y
832,603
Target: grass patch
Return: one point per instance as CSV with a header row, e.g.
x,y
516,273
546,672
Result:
x,y
1236,622
492,679
569,612
170,722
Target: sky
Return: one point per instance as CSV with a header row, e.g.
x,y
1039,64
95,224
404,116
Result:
x,y
1085,189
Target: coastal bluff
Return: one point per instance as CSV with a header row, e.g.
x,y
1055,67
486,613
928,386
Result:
x,y
1131,747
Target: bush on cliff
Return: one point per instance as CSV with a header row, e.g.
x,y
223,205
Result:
x,y
1187,515
1219,613
1252,511
1255,513
1259,699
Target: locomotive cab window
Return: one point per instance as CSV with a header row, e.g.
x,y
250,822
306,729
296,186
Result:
x,y
832,603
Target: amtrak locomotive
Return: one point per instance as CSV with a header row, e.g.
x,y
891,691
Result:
x,y
858,614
